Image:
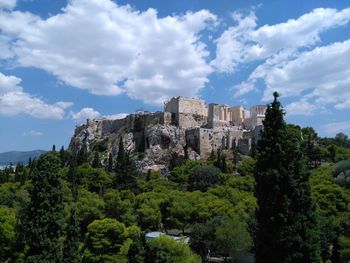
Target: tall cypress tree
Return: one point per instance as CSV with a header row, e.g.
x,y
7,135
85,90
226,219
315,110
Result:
x,y
286,219
44,216
126,172
71,253
96,163
110,162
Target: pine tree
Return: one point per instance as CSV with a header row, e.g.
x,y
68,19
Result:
x,y
73,178
71,253
121,155
96,163
286,219
44,215
82,155
53,148
110,162
63,156
126,172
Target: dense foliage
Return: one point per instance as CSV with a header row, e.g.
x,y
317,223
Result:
x,y
286,221
96,207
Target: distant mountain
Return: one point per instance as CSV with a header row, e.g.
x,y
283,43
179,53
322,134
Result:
x,y
17,156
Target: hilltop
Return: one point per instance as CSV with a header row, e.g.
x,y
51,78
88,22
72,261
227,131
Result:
x,y
14,157
186,129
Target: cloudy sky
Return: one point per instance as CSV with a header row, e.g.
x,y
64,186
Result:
x,y
64,61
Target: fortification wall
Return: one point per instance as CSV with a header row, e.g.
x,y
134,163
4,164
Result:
x,y
203,140
190,120
186,105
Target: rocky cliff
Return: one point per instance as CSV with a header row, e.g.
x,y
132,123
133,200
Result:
x,y
159,138
155,140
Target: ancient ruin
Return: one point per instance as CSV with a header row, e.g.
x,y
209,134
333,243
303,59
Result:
x,y
186,127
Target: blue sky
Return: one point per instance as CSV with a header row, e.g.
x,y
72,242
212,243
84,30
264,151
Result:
x,y
64,61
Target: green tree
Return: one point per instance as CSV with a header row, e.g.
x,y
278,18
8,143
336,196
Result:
x,y
71,253
341,140
119,205
126,172
286,220
7,231
89,207
166,250
203,177
108,240
45,216
94,179
110,163
203,237
96,162
180,212
232,237
332,152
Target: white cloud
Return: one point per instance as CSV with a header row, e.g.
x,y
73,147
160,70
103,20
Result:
x,y
85,113
7,4
343,105
108,49
336,127
116,116
289,60
302,107
244,43
14,101
322,74
90,113
33,133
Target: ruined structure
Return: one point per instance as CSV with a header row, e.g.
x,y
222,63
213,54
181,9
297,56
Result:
x,y
186,113
186,127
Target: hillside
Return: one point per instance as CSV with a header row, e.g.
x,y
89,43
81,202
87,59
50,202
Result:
x,y
14,157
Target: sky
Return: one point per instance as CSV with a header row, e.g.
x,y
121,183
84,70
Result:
x,y
64,61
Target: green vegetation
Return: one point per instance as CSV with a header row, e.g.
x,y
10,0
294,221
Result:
x,y
285,214
61,208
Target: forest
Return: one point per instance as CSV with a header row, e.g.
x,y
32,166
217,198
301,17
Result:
x,y
64,208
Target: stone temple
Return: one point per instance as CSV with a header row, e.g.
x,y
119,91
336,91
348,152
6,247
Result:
x,y
186,126
218,126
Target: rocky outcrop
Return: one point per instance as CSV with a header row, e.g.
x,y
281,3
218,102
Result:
x,y
156,143
158,138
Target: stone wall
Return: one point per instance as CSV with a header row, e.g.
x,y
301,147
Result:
x,y
203,140
237,115
258,110
186,105
190,120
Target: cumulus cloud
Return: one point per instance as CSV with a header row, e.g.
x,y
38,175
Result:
x,y
290,59
336,127
108,49
14,101
302,107
244,42
325,69
85,113
7,4
90,113
115,116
